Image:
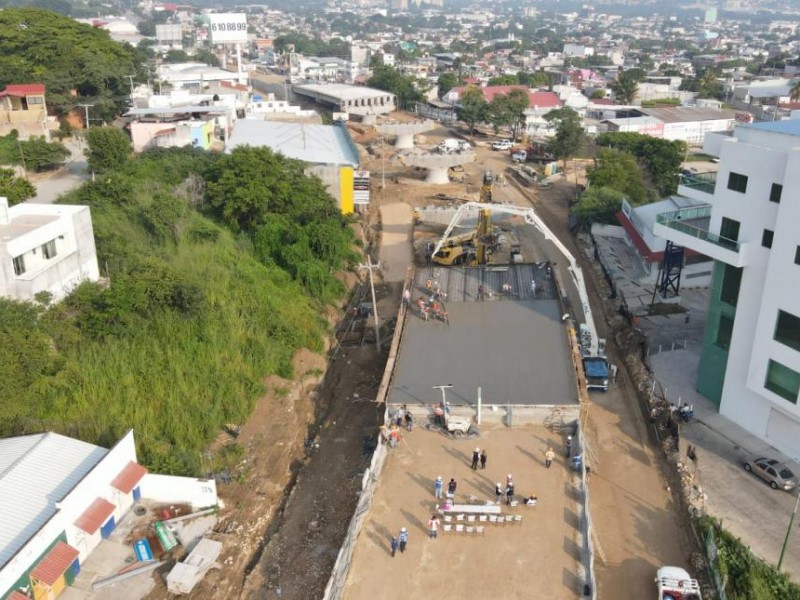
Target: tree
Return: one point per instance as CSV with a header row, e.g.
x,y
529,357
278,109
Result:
x,y
40,155
109,148
504,80
619,170
794,93
473,107
249,184
598,205
533,80
625,88
446,82
662,159
569,133
16,189
41,46
390,79
508,110
176,56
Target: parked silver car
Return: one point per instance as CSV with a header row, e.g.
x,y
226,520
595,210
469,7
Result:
x,y
777,474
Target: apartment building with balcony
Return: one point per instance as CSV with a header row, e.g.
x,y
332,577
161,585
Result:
x,y
45,248
750,362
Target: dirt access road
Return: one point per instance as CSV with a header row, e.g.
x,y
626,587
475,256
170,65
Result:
x,y
637,528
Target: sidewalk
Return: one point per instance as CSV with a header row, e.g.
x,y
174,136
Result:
x,y
746,505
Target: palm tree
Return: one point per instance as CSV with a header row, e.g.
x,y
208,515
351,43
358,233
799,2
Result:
x,y
794,93
625,88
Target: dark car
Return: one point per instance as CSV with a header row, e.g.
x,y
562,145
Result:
x,y
774,472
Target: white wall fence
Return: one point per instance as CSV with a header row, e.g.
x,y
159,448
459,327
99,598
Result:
x,y
169,489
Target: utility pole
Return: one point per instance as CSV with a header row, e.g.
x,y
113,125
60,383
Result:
x,y
788,531
383,164
86,108
130,77
370,266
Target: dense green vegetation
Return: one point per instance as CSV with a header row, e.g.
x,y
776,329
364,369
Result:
x,y
16,189
405,87
661,159
747,577
35,153
41,46
312,46
210,291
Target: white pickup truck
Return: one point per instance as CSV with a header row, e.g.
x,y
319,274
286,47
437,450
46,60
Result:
x,y
675,583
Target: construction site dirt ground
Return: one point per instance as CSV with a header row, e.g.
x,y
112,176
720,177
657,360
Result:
x,y
538,557
287,510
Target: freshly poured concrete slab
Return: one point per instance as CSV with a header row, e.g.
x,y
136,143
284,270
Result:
x,y
515,350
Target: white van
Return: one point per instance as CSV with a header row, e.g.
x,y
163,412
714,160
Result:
x,y
452,145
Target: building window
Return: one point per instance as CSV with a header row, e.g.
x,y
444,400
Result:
x,y
724,332
737,182
775,193
729,229
766,238
19,265
783,381
49,249
797,256
35,100
787,330
731,280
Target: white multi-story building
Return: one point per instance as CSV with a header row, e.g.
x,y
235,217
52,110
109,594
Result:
x,y
45,248
750,365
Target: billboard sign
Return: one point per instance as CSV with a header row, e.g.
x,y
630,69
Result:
x,y
228,28
361,187
168,33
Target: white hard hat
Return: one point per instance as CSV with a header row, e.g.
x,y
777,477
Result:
x,y
569,437
508,476
438,478
477,449
402,529
498,484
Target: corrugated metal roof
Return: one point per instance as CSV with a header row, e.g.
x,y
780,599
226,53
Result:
x,y
11,449
129,477
41,474
55,563
94,516
17,595
24,89
177,110
682,114
316,144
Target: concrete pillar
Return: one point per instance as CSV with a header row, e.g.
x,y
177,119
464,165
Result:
x,y
437,176
404,140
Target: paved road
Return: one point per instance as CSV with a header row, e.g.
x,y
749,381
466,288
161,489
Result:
x,y
52,185
396,253
748,508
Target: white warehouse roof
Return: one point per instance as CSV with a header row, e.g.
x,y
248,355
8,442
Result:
x,y
36,471
315,144
342,91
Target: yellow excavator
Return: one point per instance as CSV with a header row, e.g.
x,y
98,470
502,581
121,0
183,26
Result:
x,y
486,188
471,248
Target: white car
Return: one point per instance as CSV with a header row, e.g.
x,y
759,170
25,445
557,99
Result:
x,y
502,145
520,156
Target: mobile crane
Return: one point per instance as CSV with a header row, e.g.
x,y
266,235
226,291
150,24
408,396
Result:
x,y
593,344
